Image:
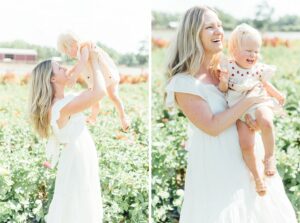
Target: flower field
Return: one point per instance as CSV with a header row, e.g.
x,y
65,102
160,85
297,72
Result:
x,y
26,186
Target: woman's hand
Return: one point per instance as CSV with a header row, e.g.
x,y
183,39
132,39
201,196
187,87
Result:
x,y
254,96
252,124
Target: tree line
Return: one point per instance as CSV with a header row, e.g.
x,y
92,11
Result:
x,y
140,58
262,20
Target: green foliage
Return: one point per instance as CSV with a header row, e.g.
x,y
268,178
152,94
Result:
x,y
228,21
262,20
162,20
26,187
169,134
263,15
42,51
130,59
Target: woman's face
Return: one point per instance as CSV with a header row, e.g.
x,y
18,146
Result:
x,y
59,74
212,33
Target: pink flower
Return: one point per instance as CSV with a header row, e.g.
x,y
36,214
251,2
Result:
x,y
183,144
47,164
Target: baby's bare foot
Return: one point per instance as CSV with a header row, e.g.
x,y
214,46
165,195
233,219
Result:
x,y
270,165
125,123
261,188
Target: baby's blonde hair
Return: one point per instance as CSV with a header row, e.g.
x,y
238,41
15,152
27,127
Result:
x,y
238,34
65,42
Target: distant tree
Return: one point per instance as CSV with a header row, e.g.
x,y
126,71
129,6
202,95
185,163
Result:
x,y
42,51
143,53
246,20
112,52
263,16
262,21
128,59
228,21
288,23
162,20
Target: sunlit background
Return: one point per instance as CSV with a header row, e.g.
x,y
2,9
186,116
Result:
x,y
121,28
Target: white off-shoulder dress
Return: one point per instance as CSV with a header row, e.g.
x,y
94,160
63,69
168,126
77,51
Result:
x,y
77,194
218,185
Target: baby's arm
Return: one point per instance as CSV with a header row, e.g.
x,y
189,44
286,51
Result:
x,y
272,91
78,67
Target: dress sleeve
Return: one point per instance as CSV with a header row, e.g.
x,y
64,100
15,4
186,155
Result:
x,y
56,108
52,151
267,71
183,83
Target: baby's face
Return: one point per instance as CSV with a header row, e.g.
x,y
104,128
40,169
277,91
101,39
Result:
x,y
247,55
72,52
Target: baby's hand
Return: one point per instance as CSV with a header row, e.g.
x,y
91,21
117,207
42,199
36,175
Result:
x,y
281,99
223,76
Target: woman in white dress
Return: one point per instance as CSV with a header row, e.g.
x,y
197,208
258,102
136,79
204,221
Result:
x,y
56,116
218,185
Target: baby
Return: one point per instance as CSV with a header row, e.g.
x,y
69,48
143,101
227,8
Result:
x,y
84,52
241,74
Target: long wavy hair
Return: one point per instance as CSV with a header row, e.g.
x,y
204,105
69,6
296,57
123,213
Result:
x,y
186,53
40,97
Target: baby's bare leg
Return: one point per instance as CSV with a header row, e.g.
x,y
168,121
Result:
x,y
264,118
247,142
95,110
113,94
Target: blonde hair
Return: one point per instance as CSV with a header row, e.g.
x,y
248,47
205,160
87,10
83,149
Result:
x,y
238,34
40,97
186,53
65,42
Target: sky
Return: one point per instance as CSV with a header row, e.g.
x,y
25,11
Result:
x,y
237,8
121,25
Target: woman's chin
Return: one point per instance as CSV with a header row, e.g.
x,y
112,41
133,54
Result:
x,y
217,49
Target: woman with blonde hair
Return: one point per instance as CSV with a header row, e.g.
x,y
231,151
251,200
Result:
x,y
58,117
218,186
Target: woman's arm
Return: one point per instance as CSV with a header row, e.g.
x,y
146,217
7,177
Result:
x,y
199,113
78,67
